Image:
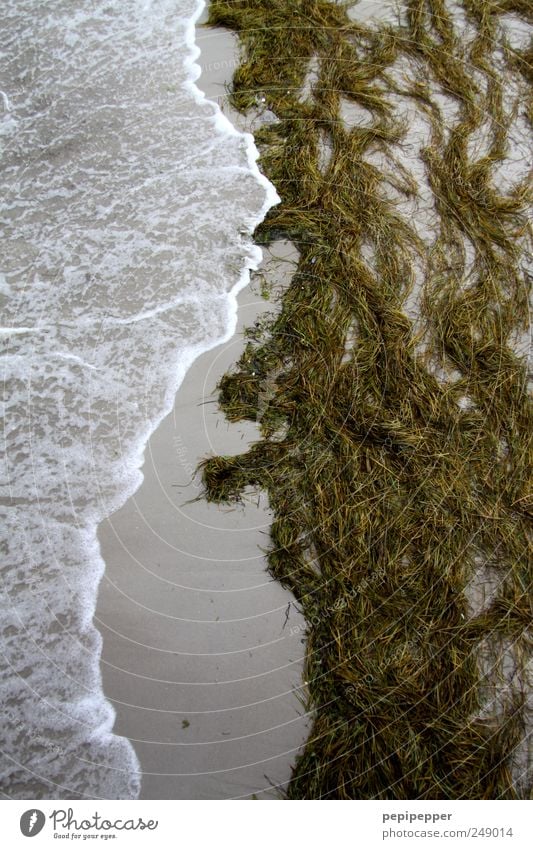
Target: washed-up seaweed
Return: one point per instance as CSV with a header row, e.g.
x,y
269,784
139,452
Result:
x,y
395,447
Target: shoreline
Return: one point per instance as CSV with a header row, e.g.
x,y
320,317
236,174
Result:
x,y
129,241
212,563
321,587
174,568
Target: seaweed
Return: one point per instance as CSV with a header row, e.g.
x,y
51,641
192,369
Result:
x,y
388,492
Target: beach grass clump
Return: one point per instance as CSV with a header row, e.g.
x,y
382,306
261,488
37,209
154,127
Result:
x,y
396,458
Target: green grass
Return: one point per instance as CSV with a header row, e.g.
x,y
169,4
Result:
x,y
386,492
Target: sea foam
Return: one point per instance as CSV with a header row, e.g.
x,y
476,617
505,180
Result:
x,y
128,204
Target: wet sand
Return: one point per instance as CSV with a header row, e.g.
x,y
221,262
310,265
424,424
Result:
x,y
202,650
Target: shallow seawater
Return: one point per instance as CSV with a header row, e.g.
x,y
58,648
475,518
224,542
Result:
x,y
128,203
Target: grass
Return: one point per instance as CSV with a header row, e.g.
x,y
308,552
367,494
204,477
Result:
x,y
388,492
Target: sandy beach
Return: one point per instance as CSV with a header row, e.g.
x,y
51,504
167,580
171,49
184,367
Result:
x,y
202,652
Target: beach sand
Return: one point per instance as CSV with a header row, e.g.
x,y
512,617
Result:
x,y
202,650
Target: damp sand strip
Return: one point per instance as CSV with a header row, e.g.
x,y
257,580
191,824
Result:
x,y
391,387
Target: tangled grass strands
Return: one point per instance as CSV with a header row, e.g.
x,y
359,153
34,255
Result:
x,y
395,449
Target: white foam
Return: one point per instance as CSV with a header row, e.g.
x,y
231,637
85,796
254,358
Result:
x,y
128,206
